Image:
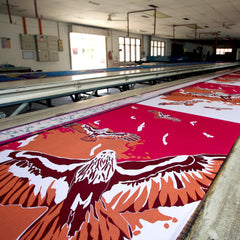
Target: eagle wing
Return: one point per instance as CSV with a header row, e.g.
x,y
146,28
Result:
x,y
92,134
172,181
34,179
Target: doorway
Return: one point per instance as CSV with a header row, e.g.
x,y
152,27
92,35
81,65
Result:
x,y
88,51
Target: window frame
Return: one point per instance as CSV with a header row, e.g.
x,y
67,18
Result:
x,y
157,48
129,49
223,51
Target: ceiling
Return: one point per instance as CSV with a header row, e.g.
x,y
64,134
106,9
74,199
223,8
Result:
x,y
212,17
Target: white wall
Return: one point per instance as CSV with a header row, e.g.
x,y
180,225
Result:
x,y
13,55
112,45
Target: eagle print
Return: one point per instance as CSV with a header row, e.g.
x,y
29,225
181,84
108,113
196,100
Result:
x,y
92,134
160,115
91,198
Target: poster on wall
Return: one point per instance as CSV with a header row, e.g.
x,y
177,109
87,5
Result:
x,y
6,42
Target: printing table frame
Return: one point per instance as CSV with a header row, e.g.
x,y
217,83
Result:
x,y
25,91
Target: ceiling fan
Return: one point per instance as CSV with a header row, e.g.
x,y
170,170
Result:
x,y
227,26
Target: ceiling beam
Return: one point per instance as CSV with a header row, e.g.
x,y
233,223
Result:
x,y
185,25
155,16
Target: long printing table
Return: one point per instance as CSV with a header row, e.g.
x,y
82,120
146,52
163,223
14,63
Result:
x,y
28,90
152,163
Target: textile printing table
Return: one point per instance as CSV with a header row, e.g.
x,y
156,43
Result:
x,y
22,89
159,162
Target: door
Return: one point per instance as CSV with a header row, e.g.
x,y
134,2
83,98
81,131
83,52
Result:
x,y
88,51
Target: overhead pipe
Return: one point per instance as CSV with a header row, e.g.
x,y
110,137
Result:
x,y
40,26
39,20
36,10
9,12
58,31
155,17
216,39
173,33
213,33
24,25
227,39
185,25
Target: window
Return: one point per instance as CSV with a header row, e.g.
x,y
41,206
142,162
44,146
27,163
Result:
x,y
223,51
129,49
157,48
